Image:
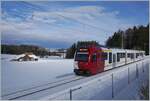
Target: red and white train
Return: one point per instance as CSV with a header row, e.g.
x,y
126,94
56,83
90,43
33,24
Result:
x,y
92,59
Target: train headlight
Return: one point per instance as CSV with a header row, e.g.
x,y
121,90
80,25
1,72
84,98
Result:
x,y
76,65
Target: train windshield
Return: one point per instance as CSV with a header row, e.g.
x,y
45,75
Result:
x,y
82,56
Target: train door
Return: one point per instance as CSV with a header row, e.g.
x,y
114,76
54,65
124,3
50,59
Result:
x,y
114,60
100,64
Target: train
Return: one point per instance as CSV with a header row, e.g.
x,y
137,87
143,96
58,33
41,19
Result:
x,y
90,60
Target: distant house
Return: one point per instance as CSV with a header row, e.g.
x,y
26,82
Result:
x,y
26,57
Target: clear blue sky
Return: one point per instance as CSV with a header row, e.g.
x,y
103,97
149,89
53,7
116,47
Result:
x,y
60,24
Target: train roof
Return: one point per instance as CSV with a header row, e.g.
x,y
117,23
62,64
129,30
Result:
x,y
119,50
107,49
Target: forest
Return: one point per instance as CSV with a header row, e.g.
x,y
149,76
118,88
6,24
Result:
x,y
136,38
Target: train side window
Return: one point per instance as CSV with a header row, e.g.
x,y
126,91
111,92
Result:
x,y
121,55
94,58
110,57
132,55
114,58
105,56
137,54
118,57
129,55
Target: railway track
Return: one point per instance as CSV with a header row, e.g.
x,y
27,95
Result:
x,y
47,86
72,76
36,89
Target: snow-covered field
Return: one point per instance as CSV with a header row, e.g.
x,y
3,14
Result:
x,y
22,75
126,84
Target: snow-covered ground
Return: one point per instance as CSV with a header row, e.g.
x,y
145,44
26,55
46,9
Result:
x,y
126,84
22,75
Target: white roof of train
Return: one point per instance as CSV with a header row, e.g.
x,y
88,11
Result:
x,y
119,50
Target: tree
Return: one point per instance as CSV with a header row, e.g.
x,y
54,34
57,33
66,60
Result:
x,y
115,40
71,51
134,38
86,43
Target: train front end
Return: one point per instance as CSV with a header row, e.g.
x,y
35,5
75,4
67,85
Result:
x,y
81,62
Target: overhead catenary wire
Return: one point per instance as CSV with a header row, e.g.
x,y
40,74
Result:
x,y
84,24
95,27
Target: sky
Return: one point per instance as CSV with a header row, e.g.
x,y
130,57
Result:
x,y
59,24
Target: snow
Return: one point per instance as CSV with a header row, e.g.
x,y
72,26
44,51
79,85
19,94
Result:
x,y
22,75
99,87
132,91
7,57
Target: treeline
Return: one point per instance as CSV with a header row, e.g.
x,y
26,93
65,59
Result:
x,y
133,38
71,51
19,49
